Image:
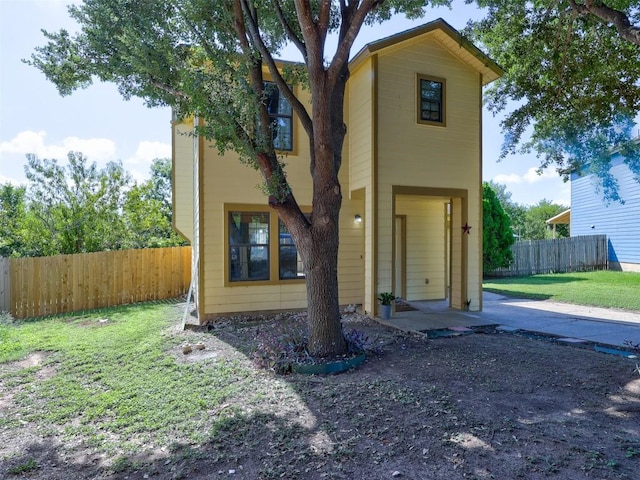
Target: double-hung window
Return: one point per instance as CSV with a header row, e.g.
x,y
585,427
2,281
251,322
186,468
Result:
x,y
431,100
281,117
260,248
248,246
289,261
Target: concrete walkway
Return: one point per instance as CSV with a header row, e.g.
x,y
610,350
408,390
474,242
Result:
x,y
572,323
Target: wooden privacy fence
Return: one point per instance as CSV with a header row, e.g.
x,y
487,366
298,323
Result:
x,y
67,283
574,254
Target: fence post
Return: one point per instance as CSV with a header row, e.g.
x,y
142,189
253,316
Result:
x,y
5,285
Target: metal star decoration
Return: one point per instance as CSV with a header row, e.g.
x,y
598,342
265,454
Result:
x,y
466,229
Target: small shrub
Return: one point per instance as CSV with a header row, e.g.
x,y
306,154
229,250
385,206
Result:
x,y
281,344
6,318
386,298
28,466
359,342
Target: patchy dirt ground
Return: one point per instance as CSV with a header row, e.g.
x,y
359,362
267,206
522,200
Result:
x,y
481,406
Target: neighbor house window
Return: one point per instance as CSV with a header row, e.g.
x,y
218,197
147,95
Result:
x,y
248,246
431,98
255,252
281,117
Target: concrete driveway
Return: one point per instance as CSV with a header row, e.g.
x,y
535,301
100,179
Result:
x,y
572,323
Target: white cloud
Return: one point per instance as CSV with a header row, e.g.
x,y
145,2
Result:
x,y
97,150
139,164
148,151
512,178
531,176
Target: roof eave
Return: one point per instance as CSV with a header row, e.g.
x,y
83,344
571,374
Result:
x,y
492,70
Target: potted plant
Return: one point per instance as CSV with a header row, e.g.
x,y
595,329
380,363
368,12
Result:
x,y
386,303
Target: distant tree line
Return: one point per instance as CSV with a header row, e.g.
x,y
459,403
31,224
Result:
x,y
505,221
78,208
528,222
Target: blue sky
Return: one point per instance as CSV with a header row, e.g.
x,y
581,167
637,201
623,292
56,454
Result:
x,y
34,118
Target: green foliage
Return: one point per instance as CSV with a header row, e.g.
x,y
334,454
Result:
x,y
12,219
579,106
535,227
28,466
75,208
497,236
514,210
78,208
207,60
386,298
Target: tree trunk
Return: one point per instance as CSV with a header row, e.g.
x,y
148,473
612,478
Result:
x,y
325,328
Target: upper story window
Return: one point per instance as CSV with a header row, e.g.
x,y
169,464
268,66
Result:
x,y
431,100
281,116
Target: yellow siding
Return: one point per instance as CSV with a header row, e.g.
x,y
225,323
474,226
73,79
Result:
x,y
385,149
425,246
226,181
183,192
360,126
412,154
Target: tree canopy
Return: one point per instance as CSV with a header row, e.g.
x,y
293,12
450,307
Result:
x,y
78,208
573,74
209,60
497,236
535,221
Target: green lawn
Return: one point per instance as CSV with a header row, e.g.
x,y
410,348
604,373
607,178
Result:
x,y
113,380
600,288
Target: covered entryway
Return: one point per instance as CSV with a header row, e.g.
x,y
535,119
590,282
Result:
x,y
429,245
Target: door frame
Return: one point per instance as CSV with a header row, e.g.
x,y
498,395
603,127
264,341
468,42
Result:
x,y
403,256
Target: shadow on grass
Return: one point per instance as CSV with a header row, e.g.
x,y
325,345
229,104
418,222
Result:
x,y
553,279
468,407
518,294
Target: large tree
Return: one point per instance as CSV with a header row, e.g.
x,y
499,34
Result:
x,y
572,82
75,208
147,210
208,59
497,236
12,216
535,221
515,211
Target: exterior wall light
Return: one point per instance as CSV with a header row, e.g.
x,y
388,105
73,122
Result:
x,y
357,218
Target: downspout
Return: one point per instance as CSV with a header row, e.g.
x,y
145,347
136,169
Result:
x,y
195,244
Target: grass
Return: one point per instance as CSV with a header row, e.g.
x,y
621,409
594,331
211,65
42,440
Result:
x,y
110,378
603,288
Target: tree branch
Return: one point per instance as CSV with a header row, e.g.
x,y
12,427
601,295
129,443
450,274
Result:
x,y
256,39
290,33
168,89
323,20
617,18
353,16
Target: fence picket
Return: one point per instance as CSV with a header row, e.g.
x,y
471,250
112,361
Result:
x,y
5,285
32,287
574,254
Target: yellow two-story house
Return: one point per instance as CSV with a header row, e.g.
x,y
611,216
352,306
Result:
x,y
411,219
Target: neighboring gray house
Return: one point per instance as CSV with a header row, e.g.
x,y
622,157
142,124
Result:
x,y
592,214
